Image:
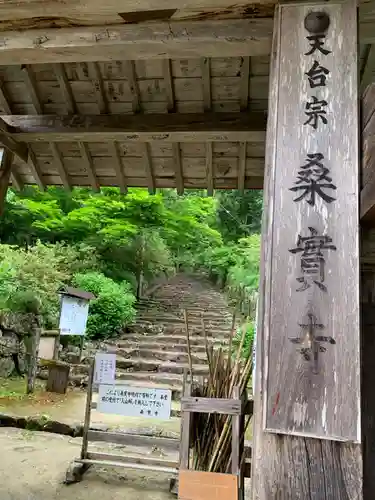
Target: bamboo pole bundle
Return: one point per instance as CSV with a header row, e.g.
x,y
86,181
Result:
x,y
211,432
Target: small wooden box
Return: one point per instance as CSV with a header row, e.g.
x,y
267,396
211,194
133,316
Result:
x,y
197,485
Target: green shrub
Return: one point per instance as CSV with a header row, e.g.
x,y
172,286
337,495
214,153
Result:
x,y
113,307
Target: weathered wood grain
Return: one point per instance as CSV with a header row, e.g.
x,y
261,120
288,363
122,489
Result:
x,y
150,92
32,88
65,87
320,398
206,83
168,85
60,167
368,157
5,171
117,167
244,85
131,75
29,9
98,87
176,127
284,466
133,439
155,40
209,169
211,405
163,149
178,168
160,182
242,167
87,160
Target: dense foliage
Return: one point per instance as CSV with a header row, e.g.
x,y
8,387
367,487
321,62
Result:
x,y
112,245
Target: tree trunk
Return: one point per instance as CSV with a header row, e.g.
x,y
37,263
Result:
x,y
32,347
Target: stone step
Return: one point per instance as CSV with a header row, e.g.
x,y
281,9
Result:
x,y
161,346
176,339
144,365
162,319
152,354
180,327
170,379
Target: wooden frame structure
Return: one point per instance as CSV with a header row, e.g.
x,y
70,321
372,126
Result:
x,y
237,407
87,458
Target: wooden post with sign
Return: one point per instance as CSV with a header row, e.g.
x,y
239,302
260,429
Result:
x,y
307,403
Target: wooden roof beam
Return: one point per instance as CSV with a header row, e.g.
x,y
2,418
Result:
x,y
32,88
168,82
131,76
209,169
206,83
176,151
66,88
97,83
174,127
5,172
121,179
148,169
86,156
242,167
60,166
190,39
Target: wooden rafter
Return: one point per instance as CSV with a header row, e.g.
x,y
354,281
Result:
x,y
60,165
121,179
5,171
209,169
168,82
15,179
228,38
244,83
32,88
131,75
176,151
4,101
242,167
86,156
97,82
206,82
66,88
35,169
174,127
148,168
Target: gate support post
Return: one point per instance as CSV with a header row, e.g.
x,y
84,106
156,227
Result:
x,y
306,444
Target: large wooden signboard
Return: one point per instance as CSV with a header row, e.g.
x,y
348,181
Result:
x,y
312,383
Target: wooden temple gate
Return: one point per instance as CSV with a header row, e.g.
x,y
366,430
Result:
x,y
157,93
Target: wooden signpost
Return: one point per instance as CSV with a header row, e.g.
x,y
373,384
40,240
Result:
x,y
308,349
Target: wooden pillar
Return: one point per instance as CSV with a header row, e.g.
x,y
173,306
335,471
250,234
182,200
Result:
x,y
368,372
307,429
368,288
5,170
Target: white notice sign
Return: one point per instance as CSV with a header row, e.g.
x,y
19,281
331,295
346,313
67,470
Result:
x,y
135,401
105,368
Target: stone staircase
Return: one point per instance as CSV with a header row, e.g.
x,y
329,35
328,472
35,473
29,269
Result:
x,y
154,353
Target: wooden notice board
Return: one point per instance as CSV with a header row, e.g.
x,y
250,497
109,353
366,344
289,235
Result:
x,y
312,366
197,485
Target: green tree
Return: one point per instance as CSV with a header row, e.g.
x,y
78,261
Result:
x,y
239,215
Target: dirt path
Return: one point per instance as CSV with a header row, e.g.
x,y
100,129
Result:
x,y
35,466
